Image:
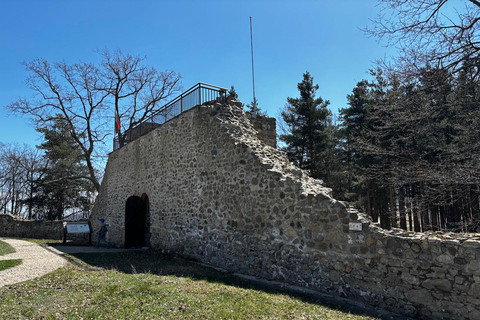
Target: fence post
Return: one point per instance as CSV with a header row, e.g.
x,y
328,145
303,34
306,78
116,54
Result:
x,y
199,94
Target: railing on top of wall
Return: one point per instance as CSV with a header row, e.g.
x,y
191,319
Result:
x,y
195,96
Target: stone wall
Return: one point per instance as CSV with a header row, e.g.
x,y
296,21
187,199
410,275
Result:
x,y
218,194
266,128
139,130
15,227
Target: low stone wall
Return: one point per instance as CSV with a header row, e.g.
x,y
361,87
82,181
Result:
x,y
15,227
218,194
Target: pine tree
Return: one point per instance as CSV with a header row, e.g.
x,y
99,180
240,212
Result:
x,y
414,145
254,109
310,138
232,94
64,184
353,124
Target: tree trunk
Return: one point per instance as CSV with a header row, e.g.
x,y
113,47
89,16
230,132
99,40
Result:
x,y
434,213
393,209
443,220
416,214
401,208
475,207
456,212
369,205
410,215
424,210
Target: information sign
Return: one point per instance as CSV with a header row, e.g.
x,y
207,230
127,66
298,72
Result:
x,y
78,227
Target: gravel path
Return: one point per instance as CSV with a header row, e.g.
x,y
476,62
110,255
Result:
x,y
36,261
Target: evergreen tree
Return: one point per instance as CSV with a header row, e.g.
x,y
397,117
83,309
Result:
x,y
254,109
64,183
310,138
353,123
232,94
414,148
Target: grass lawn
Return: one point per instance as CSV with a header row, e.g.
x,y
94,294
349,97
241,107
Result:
x,y
149,285
5,264
5,248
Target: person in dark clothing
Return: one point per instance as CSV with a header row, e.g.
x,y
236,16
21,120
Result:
x,y
102,233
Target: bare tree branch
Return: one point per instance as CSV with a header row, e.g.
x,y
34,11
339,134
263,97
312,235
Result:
x,y
84,95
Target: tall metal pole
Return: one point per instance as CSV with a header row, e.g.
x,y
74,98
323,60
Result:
x,y
253,70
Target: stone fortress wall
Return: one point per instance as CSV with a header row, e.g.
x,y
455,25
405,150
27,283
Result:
x,y
218,194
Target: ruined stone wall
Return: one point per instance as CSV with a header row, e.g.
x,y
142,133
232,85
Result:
x,y
266,128
219,194
12,226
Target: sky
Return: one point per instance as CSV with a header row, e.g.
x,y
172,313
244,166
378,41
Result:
x,y
205,41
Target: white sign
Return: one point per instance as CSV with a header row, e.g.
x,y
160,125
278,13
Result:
x,y
78,227
355,226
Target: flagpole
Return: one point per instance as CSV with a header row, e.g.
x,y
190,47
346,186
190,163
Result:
x,y
251,49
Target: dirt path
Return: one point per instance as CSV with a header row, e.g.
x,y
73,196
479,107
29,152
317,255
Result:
x,y
36,261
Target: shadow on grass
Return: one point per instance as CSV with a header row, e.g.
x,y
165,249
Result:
x,y
55,243
154,262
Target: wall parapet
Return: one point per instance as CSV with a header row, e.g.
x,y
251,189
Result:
x,y
219,194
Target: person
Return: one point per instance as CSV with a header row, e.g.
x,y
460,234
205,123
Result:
x,y
102,233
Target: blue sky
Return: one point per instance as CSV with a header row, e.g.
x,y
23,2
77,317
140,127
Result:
x,y
205,41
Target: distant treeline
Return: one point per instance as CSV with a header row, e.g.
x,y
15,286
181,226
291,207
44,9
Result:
x,y
406,150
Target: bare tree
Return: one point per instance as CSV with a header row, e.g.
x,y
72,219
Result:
x,y
20,167
136,90
12,179
84,95
32,163
440,33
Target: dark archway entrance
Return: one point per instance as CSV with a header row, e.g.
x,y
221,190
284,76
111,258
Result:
x,y
137,222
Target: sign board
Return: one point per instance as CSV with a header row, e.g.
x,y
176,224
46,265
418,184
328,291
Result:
x,y
78,227
355,226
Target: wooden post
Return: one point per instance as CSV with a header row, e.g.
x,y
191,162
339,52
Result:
x,y
64,234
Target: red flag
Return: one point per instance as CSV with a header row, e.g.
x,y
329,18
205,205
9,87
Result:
x,y
117,122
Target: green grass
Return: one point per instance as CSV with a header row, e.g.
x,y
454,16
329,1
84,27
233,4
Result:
x,y
149,285
5,264
5,248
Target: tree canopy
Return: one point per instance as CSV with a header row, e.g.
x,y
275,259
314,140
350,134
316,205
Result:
x,y
309,136
413,148
440,33
62,184
86,96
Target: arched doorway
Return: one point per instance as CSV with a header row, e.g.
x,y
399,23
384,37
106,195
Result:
x,y
137,221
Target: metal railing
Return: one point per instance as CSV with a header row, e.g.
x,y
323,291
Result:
x,y
197,95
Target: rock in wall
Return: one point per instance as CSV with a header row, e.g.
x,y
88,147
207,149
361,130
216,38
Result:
x,y
218,194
